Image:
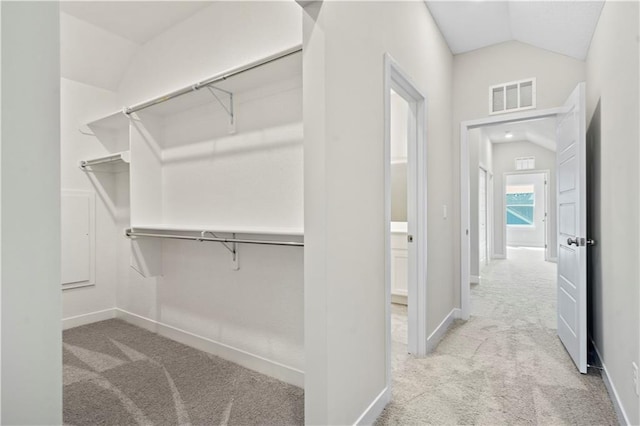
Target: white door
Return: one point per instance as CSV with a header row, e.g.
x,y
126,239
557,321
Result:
x,y
482,217
572,228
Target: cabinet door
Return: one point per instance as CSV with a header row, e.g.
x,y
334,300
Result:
x,y
77,209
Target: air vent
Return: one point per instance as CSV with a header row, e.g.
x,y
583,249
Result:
x,y
525,163
512,96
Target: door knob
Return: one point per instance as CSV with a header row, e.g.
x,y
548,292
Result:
x,y
573,241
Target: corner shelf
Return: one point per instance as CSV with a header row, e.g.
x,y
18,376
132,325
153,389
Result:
x,y
113,163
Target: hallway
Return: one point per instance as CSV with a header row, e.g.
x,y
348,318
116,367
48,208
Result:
x,y
505,365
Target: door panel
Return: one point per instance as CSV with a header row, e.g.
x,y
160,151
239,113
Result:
x,y
571,193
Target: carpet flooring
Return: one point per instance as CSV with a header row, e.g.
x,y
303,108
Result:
x,y
118,374
505,366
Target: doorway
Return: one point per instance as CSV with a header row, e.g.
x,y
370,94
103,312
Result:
x,y
405,212
526,211
499,131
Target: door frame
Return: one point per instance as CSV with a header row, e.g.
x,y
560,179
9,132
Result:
x,y
465,247
395,78
487,252
547,176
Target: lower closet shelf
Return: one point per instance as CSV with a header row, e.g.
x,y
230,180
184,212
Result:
x,y
113,163
210,235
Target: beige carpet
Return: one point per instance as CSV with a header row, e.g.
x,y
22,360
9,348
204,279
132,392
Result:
x,y
118,374
505,365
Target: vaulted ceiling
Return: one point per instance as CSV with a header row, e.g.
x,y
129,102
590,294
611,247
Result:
x,y
98,39
136,21
564,27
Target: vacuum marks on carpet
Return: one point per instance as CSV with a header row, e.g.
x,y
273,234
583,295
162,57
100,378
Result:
x,y
119,374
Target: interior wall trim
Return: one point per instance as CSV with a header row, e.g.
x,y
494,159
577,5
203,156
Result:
x,y
373,411
442,329
84,319
611,390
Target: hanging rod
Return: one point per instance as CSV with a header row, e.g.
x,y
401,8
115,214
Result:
x,y
212,80
109,159
131,233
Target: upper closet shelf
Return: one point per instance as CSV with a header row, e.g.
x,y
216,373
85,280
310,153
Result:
x,y
221,88
113,163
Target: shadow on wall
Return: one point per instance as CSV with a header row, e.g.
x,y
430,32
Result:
x,y
594,195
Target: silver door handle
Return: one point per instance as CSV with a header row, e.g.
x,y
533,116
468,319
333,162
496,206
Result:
x,y
575,241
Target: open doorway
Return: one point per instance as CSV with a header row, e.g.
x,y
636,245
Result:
x,y
526,211
405,216
510,167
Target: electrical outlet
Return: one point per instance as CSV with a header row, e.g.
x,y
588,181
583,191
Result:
x,y
635,377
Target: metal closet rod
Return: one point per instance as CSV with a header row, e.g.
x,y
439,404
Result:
x,y
131,233
109,159
212,80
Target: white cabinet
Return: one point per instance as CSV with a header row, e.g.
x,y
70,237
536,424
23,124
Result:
x,y
399,262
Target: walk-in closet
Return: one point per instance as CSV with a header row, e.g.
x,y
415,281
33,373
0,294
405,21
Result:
x,y
182,213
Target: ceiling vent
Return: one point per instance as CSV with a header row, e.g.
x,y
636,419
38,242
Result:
x,y
512,96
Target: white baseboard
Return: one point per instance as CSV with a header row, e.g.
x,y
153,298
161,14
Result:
x,y
369,416
441,330
137,320
253,362
474,279
400,299
89,318
611,389
525,245
553,259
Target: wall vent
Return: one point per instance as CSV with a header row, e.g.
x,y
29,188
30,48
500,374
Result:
x,y
525,163
512,96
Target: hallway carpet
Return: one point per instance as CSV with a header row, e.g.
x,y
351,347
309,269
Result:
x,y
118,374
505,365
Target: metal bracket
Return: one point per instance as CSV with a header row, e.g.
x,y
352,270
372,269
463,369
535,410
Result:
x,y
229,109
233,249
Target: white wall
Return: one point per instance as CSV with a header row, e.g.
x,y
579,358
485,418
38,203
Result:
x,y
529,236
612,82
31,371
81,103
204,176
504,155
473,72
344,233
398,127
220,37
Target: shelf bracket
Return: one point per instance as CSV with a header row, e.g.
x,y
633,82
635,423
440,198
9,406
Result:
x,y
86,132
228,109
233,249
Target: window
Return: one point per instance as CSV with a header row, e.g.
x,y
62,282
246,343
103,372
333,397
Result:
x,y
512,96
520,204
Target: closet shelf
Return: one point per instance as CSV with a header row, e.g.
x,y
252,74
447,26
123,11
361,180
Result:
x,y
220,235
248,78
113,163
114,121
245,230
